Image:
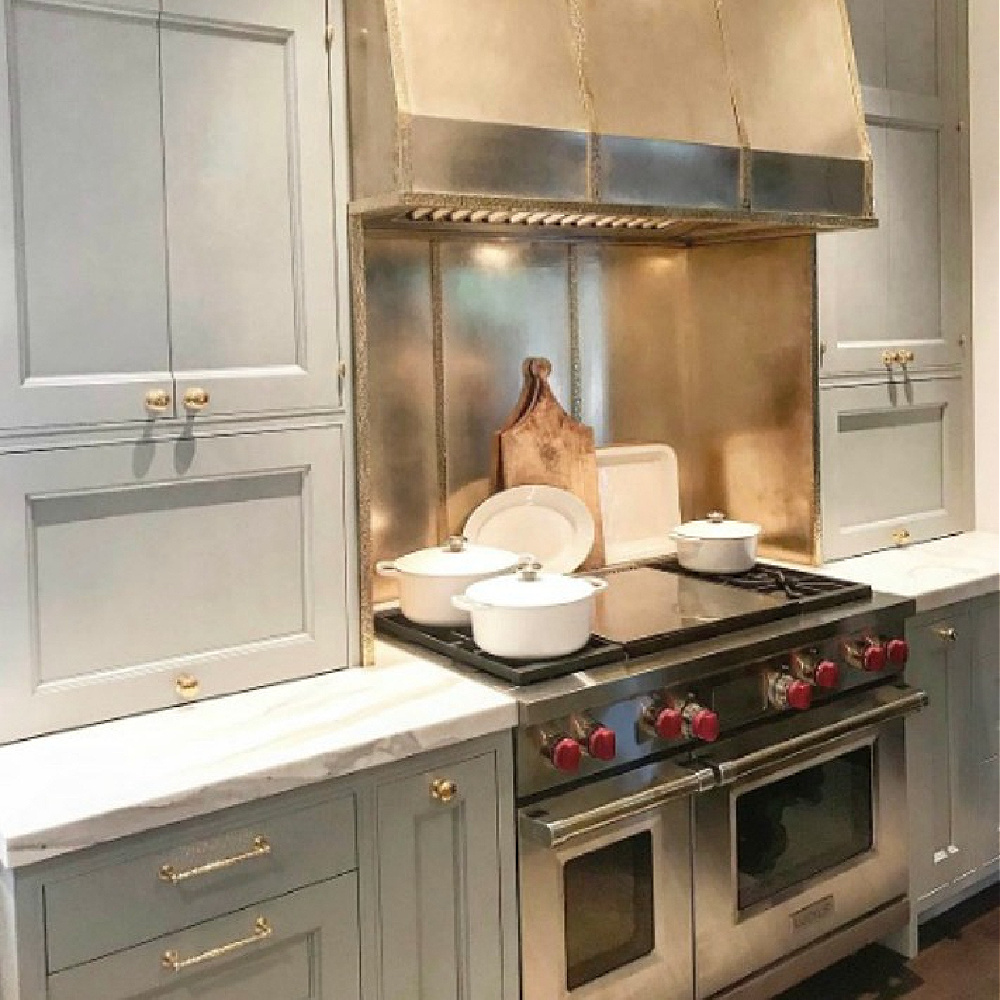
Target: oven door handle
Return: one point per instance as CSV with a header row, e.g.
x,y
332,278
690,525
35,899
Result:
x,y
888,704
556,824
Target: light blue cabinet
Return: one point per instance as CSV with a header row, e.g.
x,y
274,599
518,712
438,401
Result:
x,y
440,888
391,884
167,211
952,751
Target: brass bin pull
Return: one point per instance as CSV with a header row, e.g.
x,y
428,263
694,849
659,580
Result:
x,y
947,633
901,536
261,849
196,399
262,930
443,790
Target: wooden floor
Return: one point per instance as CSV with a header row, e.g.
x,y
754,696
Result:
x,y
959,960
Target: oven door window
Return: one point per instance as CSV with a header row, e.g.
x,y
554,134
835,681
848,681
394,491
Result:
x,y
608,896
799,826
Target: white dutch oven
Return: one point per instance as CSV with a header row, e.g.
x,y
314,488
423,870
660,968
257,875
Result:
x,y
531,615
716,545
429,578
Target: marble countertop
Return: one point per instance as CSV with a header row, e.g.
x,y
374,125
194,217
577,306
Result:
x,y
72,790
935,573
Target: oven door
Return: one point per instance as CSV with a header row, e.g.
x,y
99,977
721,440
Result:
x,y
605,889
805,834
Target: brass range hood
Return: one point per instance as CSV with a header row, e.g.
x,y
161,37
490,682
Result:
x,y
689,121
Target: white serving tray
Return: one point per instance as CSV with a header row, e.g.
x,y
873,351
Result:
x,y
640,500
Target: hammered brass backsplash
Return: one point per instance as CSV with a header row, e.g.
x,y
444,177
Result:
x,y
708,349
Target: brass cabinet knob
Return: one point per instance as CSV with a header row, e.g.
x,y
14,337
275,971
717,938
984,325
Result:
x,y
901,536
196,399
158,400
947,633
443,790
187,686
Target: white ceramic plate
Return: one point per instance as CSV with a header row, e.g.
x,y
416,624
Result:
x,y
551,524
640,502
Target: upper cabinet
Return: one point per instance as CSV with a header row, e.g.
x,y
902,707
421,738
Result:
x,y
897,296
167,211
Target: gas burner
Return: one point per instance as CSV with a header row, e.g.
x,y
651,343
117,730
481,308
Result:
x,y
797,585
456,643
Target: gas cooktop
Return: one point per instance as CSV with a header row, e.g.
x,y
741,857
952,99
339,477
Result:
x,y
647,609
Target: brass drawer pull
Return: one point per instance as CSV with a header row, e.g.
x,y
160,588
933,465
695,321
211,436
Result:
x,y
906,357
187,686
443,790
889,358
158,400
262,930
261,849
196,399
900,536
947,633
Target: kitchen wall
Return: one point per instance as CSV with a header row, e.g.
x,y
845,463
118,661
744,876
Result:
x,y
984,85
708,349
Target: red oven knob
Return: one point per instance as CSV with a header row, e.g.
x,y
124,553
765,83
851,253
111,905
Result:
x,y
668,723
873,658
827,674
565,754
601,743
704,724
799,695
898,652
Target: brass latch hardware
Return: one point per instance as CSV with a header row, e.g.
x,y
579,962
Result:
x,y
947,633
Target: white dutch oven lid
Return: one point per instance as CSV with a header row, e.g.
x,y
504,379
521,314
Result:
x,y
457,557
530,588
716,525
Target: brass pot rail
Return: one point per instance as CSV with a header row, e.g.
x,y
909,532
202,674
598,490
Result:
x,y
261,849
262,930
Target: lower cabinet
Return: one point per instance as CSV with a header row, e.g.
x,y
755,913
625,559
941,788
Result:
x,y
952,775
438,892
301,946
396,883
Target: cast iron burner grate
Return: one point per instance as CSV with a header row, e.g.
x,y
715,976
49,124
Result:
x,y
809,591
456,643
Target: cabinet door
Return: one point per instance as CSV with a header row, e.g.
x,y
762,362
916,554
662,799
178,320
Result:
x,y
83,288
938,779
302,946
891,461
125,566
905,285
439,885
249,202
984,742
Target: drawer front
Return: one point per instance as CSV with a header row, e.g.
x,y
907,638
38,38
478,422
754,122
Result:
x,y
199,876
891,464
128,568
303,946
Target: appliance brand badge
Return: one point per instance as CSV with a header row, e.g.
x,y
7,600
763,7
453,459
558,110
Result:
x,y
812,913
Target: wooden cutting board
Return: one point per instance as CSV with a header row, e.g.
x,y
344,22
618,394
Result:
x,y
529,394
547,447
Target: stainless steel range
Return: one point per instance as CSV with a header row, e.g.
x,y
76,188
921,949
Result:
x,y
711,795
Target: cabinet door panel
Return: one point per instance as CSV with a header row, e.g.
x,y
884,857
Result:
x,y
128,564
249,193
311,953
986,679
439,872
891,460
937,782
82,265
